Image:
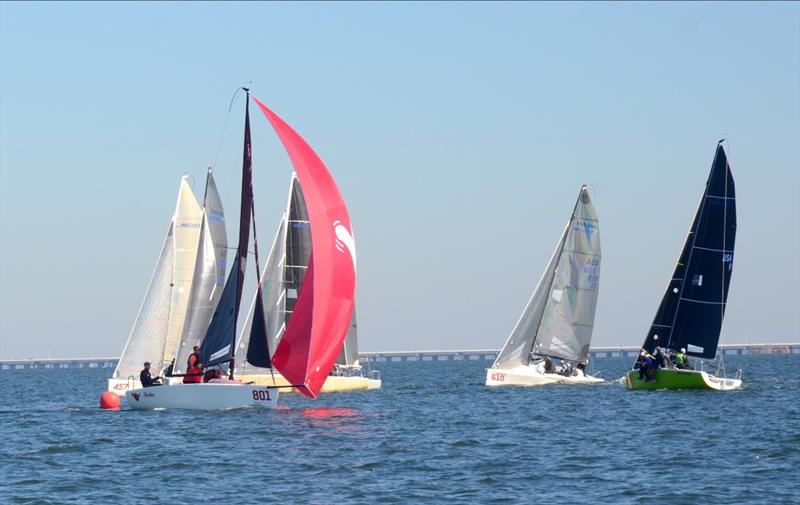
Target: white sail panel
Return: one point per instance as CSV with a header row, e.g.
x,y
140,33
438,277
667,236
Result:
x,y
566,326
517,349
209,275
187,223
149,332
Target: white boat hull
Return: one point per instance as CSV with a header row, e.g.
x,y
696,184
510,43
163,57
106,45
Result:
x,y
524,375
209,396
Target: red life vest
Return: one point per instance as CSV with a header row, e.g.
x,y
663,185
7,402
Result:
x,y
194,376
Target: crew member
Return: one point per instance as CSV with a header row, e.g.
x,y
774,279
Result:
x,y
548,365
146,379
194,375
195,354
682,361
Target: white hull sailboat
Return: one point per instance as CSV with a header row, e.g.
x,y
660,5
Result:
x,y
558,320
534,375
209,396
318,322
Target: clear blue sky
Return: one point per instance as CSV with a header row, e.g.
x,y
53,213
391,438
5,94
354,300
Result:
x,y
458,133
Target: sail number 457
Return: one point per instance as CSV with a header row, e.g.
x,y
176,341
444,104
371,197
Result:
x,y
260,394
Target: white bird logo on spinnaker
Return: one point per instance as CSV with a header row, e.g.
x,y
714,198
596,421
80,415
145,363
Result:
x,y
344,239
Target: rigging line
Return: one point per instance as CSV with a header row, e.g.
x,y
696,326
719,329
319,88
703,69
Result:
x,y
222,138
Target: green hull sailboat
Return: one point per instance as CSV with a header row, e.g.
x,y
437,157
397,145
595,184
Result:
x,y
669,378
689,319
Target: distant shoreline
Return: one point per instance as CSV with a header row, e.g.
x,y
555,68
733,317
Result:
x,y
418,355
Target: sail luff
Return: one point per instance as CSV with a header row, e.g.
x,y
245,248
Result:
x,y
349,353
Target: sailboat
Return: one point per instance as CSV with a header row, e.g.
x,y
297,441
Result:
x,y
282,280
160,322
558,320
692,309
318,324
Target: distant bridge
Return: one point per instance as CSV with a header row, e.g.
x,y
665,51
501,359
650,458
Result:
x,y
427,355
595,352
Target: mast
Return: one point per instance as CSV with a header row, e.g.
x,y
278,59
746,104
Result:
x,y
218,344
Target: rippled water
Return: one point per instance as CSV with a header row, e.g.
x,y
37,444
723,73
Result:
x,y
433,434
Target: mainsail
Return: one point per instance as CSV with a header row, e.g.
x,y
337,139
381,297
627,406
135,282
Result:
x,y
691,312
218,344
209,274
321,314
559,317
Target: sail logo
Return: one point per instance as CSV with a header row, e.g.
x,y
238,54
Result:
x,y
345,240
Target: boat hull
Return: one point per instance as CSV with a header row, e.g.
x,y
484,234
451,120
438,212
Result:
x,y
333,384
530,376
210,396
667,378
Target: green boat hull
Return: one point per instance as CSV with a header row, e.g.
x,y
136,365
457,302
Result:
x,y
680,379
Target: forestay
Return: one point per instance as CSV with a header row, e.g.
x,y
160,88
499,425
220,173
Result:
x,y
692,309
559,317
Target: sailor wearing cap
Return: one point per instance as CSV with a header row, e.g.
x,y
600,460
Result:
x,y
146,379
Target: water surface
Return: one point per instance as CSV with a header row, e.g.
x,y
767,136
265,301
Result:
x,y
433,434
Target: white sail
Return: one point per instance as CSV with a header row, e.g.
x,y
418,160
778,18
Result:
x,y
149,330
209,274
186,237
559,317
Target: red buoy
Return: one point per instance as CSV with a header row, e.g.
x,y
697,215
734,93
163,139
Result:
x,y
109,400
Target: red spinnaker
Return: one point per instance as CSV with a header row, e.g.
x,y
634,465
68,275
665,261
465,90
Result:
x,y
319,322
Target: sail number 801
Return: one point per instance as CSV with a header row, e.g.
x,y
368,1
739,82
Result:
x,y
260,394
